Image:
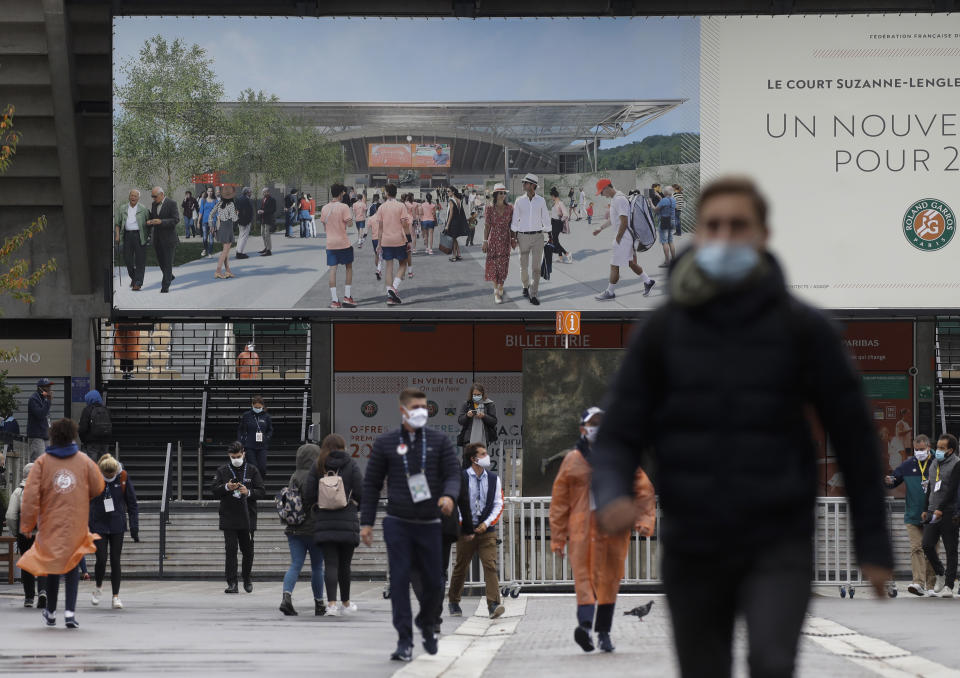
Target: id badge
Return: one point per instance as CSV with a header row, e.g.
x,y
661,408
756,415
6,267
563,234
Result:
x,y
936,488
108,504
419,489
236,494
259,436
924,484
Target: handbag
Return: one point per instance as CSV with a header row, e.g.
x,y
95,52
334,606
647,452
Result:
x,y
446,243
330,493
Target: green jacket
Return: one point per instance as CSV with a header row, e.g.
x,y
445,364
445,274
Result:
x,y
120,219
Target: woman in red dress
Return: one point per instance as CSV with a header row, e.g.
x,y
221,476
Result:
x,y
496,240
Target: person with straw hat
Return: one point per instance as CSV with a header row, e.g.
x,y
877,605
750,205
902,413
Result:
x,y
531,219
496,240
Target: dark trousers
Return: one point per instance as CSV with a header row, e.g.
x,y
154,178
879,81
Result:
x,y
679,227
413,545
556,226
71,585
337,557
165,245
259,459
134,257
30,583
769,586
932,533
233,538
603,614
416,581
114,544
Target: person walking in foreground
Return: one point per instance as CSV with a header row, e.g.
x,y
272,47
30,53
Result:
x,y
300,538
31,585
334,486
96,428
914,474
238,485
496,240
423,482
56,502
481,505
108,518
750,452
597,559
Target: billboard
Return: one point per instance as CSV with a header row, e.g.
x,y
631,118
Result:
x,y
408,155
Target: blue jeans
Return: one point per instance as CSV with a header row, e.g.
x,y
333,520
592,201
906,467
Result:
x,y
208,236
288,215
188,227
299,546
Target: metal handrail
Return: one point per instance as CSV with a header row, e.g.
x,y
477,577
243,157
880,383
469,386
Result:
x,y
165,509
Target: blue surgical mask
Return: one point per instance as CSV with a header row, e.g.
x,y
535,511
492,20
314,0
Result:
x,y
258,410
726,262
941,455
477,398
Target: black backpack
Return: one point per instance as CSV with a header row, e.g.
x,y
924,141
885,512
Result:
x,y
100,424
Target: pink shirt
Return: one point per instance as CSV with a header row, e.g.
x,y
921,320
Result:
x,y
429,211
360,211
393,217
335,217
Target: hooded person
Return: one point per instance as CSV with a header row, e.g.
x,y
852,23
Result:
x,y
56,502
597,559
31,584
95,428
108,518
300,538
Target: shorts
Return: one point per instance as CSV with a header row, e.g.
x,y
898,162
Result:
x,y
337,257
666,235
623,251
399,253
361,225
428,224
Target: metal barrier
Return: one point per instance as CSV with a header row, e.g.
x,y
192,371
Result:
x,y
17,455
526,558
165,509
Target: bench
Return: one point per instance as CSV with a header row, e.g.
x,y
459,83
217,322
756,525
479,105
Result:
x,y
6,555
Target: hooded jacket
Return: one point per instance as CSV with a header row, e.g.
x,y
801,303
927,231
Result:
x,y
306,461
121,491
93,400
340,525
238,513
57,497
715,387
944,478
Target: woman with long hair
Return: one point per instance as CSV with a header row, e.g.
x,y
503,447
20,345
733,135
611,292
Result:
x,y
496,241
559,216
336,528
428,222
205,207
456,221
225,217
411,207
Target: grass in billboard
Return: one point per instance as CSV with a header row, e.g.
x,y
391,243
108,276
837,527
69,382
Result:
x,y
318,155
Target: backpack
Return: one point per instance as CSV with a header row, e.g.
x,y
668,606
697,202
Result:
x,y
641,224
373,209
100,424
330,493
289,505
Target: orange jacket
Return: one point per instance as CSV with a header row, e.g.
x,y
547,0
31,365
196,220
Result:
x,y
126,343
597,559
56,500
248,365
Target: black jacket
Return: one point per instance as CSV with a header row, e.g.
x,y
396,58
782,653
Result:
x,y
443,475
306,461
714,387
489,422
232,513
269,207
166,212
250,423
244,210
38,416
86,435
341,525
124,498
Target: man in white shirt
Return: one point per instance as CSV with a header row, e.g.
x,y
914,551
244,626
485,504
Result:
x,y
624,253
130,232
531,219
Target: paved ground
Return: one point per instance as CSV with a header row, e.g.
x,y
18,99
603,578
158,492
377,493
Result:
x,y
192,627
296,277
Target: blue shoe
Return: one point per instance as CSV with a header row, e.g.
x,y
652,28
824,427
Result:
x,y
71,621
48,618
430,643
403,653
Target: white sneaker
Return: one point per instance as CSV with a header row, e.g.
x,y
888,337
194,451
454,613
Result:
x,y
333,610
117,605
95,596
349,609
941,582
916,589
947,592
605,295
929,593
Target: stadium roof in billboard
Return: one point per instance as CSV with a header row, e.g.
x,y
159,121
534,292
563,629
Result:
x,y
541,128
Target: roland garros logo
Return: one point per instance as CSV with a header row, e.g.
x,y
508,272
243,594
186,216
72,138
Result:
x,y
929,224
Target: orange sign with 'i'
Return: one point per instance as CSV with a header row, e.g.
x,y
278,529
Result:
x,y
568,322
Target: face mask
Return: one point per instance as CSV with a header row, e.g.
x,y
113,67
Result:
x,y
110,479
922,454
483,462
726,262
417,417
941,455
258,410
590,432
236,461
477,398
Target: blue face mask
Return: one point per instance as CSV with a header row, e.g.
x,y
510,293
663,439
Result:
x,y
941,455
725,262
258,410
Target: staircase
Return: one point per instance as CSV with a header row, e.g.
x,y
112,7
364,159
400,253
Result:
x,y
947,398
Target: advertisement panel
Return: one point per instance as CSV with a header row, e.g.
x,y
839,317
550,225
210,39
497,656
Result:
x,y
390,155
431,155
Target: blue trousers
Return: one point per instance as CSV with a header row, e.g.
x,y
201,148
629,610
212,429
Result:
x,y
71,581
412,545
299,547
259,459
188,227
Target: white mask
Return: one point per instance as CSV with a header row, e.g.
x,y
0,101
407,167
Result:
x,y
590,432
417,417
483,462
110,479
922,454
236,461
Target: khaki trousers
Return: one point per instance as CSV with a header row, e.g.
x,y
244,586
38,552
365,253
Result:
x,y
486,545
922,570
531,254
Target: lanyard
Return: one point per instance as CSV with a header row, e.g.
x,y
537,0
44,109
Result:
x,y
423,456
481,500
923,468
234,473
256,420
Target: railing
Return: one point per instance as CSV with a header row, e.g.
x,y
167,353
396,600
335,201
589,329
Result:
x,y
507,464
17,455
526,559
165,509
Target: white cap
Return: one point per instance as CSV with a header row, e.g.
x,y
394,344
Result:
x,y
531,178
249,347
497,187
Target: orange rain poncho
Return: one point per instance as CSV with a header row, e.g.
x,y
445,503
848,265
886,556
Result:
x,y
597,559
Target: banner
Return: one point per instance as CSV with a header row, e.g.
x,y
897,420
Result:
x,y
390,155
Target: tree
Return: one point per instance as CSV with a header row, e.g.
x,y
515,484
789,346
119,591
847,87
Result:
x,y
253,141
309,156
17,280
653,151
8,392
168,113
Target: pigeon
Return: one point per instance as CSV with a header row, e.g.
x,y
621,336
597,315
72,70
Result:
x,y
640,611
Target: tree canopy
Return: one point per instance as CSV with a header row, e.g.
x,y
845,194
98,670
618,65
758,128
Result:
x,y
653,151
